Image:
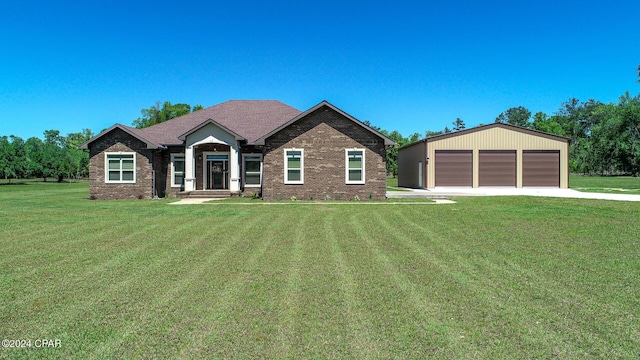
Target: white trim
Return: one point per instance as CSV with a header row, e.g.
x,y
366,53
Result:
x,y
173,169
244,169
106,168
346,166
286,168
189,169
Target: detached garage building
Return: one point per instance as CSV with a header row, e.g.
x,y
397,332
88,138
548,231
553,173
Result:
x,y
490,155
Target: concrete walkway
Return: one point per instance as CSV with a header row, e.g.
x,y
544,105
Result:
x,y
441,195
447,192
331,202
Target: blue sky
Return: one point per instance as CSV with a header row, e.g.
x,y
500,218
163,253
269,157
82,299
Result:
x,y
403,65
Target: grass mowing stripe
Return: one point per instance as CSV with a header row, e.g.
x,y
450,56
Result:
x,y
174,285
221,333
361,344
48,276
414,317
538,322
288,338
124,289
481,293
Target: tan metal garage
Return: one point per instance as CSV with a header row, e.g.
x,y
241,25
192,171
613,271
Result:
x,y
454,168
489,155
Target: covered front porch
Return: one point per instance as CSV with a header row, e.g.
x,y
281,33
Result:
x,y
212,166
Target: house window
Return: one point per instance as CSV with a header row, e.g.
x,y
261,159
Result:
x,y
252,174
120,168
354,166
293,166
177,170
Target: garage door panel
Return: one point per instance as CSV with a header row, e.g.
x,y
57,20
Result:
x,y
454,168
541,168
497,168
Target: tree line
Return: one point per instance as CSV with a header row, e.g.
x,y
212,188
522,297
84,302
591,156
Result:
x,y
605,139
54,157
57,156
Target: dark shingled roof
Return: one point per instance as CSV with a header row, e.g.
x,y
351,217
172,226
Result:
x,y
137,133
250,119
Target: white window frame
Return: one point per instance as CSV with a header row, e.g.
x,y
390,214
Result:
x,y
346,166
244,169
286,167
106,168
173,168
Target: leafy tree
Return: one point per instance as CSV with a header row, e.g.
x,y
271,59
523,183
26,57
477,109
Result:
x,y
392,152
458,124
446,130
430,133
518,116
34,149
629,134
542,122
12,158
52,158
78,160
412,138
157,114
5,153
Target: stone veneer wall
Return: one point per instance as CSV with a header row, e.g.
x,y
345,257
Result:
x,y
324,135
119,141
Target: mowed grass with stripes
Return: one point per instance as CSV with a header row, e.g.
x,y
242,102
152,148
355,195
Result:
x,y
502,277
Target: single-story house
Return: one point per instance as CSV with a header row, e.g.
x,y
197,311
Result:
x,y
490,155
260,147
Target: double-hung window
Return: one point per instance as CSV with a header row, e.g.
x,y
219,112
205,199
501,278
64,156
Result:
x,y
120,168
354,166
177,170
252,174
293,166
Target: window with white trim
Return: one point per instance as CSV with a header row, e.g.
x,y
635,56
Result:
x,y
177,170
252,170
120,168
354,166
294,166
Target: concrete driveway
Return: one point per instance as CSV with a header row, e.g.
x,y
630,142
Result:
x,y
446,192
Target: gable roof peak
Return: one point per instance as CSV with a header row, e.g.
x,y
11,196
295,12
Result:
x,y
323,103
136,133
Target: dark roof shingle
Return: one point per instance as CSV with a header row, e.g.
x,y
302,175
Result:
x,y
250,119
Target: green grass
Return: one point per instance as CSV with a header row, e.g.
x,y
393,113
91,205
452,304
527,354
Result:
x,y
392,184
501,277
605,184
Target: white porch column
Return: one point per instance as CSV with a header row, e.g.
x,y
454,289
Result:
x,y
189,173
234,169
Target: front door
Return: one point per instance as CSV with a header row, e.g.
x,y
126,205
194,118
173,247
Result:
x,y
217,172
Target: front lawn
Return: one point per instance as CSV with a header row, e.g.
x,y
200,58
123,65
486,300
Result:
x,y
501,277
605,184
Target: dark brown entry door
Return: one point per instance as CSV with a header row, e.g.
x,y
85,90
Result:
x,y
454,168
497,168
